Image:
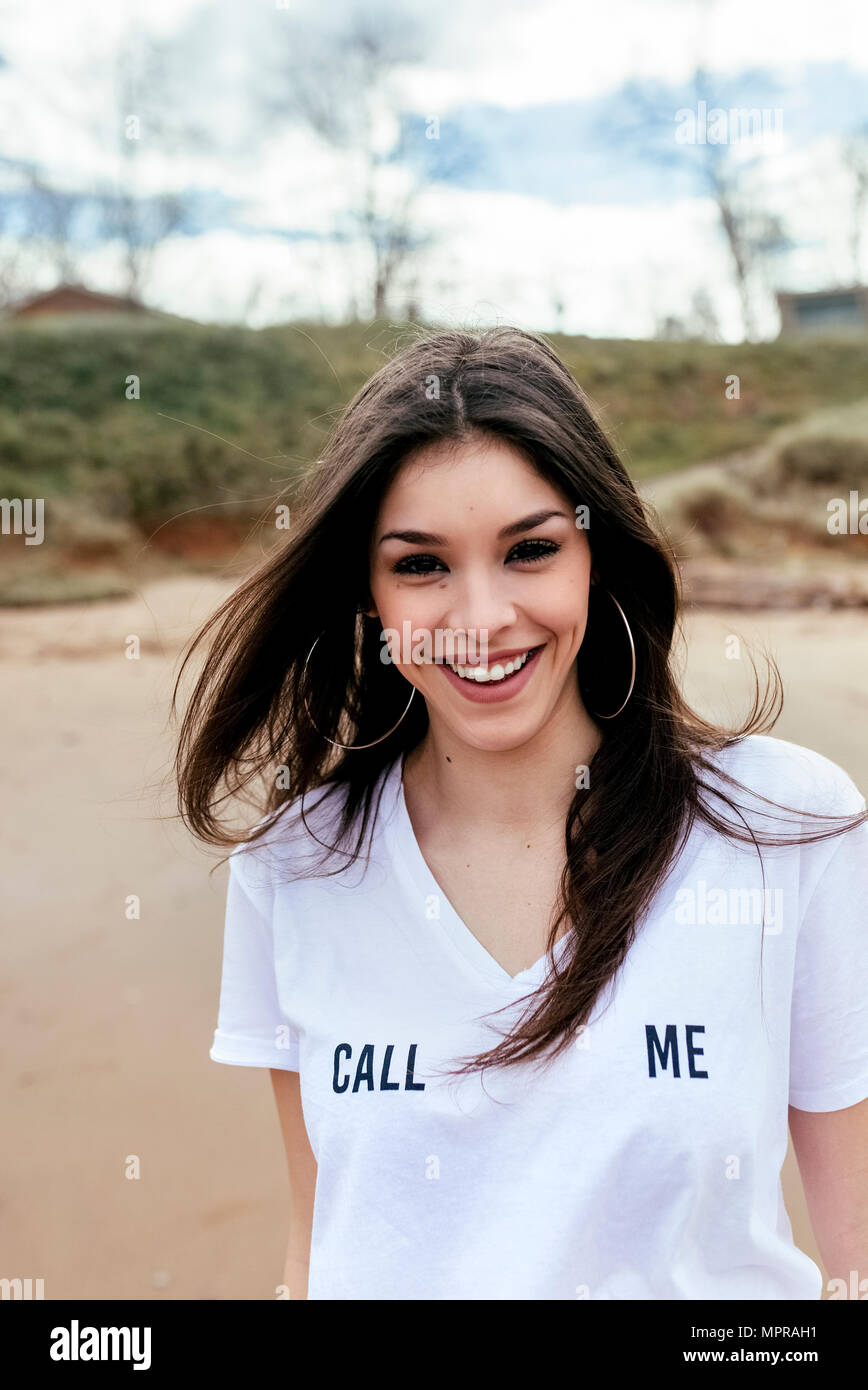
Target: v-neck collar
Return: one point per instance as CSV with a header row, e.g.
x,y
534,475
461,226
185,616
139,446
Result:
x,y
419,879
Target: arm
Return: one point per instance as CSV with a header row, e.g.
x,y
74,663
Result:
x,y
832,1151
302,1179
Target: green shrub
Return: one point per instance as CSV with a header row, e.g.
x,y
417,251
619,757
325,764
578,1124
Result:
x,y
839,463
701,511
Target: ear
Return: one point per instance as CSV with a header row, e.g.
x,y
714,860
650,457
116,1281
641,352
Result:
x,y
369,611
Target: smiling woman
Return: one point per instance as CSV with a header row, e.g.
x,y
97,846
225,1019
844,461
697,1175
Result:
x,y
525,598
508,1064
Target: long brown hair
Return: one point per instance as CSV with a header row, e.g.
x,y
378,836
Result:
x,y
246,721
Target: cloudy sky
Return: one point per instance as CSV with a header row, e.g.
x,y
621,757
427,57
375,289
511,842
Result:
x,y
556,193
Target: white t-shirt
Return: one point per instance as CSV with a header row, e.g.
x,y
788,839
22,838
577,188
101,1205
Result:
x,y
644,1163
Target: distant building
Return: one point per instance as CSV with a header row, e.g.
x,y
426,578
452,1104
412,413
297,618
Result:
x,y
824,311
75,299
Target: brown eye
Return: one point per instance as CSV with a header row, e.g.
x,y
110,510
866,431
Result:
x,y
416,564
534,550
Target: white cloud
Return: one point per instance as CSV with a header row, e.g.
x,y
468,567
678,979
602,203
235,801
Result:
x,y
617,268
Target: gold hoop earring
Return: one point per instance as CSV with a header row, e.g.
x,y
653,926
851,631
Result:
x,y
347,747
632,656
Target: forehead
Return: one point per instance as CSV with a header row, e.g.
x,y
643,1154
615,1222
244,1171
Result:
x,y
479,474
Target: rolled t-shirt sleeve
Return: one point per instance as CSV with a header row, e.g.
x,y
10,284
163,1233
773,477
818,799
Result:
x,y
829,1018
252,1030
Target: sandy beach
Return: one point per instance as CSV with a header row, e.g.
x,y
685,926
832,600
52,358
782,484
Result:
x,y
108,1019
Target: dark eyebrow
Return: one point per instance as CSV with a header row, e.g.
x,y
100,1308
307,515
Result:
x,y
517,528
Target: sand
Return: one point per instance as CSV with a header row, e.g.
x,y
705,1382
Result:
x,y
108,1020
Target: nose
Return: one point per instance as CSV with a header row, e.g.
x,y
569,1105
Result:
x,y
480,606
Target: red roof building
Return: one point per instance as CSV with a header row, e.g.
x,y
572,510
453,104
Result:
x,y
75,299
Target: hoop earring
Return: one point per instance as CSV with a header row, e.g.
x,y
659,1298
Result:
x,y
633,659
347,747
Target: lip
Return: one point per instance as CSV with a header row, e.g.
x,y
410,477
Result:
x,y
492,658
489,694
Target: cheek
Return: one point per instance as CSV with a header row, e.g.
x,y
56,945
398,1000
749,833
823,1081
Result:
x,y
559,600
399,601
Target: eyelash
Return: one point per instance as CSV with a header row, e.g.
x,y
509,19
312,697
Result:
x,y
544,550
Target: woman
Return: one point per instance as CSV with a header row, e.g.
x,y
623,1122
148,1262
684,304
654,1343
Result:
x,y
534,1008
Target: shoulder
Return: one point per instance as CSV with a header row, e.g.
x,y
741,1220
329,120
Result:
x,y
289,837
789,773
298,840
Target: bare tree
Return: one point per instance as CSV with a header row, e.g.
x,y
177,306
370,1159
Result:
x,y
53,212
148,115
855,156
36,220
14,275
147,109
753,235
702,321
341,83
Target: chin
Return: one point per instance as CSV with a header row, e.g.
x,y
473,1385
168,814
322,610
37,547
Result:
x,y
510,735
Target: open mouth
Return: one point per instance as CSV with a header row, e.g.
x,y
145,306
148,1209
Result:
x,y
497,673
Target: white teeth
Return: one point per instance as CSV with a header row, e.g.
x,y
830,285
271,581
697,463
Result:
x,y
492,673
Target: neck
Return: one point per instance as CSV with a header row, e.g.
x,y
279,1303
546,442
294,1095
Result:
x,y
515,790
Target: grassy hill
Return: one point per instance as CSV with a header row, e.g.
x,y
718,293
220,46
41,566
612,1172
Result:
x,y
227,416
